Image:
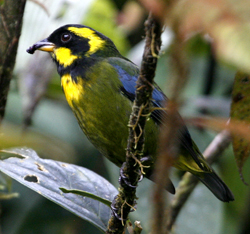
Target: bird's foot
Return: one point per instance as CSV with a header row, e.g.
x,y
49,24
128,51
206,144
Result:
x,y
115,210
123,179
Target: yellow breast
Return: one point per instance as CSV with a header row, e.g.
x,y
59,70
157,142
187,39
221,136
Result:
x,y
73,90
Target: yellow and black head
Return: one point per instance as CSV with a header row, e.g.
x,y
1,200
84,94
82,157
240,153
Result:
x,y
72,43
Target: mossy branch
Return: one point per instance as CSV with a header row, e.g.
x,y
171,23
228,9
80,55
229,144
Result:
x,y
11,16
132,169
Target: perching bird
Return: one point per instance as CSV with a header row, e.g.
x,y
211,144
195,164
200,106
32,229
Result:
x,y
99,85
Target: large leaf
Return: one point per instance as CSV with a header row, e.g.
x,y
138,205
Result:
x,y
240,111
47,177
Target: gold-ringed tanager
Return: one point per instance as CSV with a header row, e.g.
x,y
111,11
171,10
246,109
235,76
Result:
x,y
99,85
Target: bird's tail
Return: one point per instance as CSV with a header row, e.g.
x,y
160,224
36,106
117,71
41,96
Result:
x,y
216,186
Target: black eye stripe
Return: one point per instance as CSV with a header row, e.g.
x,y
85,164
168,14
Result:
x,y
65,37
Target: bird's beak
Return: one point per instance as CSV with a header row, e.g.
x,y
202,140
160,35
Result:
x,y
43,45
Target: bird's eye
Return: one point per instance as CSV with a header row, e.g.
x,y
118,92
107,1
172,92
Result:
x,y
65,37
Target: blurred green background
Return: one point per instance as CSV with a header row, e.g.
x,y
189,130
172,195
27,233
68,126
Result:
x,y
207,92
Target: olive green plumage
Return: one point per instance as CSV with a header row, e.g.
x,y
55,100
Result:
x,y
99,85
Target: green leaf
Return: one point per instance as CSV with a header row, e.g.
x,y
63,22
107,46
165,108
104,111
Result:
x,y
47,177
240,111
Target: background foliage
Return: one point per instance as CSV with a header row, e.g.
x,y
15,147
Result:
x,y
36,102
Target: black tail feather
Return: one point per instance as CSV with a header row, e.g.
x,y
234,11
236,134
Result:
x,y
217,186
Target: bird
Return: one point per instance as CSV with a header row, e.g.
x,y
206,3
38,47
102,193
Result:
x,y
99,85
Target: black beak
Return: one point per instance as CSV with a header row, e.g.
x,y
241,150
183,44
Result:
x,y
43,45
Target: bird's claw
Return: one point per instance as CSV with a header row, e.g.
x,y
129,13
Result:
x,y
115,210
123,179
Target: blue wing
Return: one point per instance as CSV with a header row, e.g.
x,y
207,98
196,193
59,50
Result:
x,y
128,74
128,88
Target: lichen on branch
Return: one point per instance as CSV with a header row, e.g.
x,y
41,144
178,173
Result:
x,y
141,109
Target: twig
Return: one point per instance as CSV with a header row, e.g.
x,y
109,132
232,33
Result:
x,y
42,6
188,182
131,170
168,138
